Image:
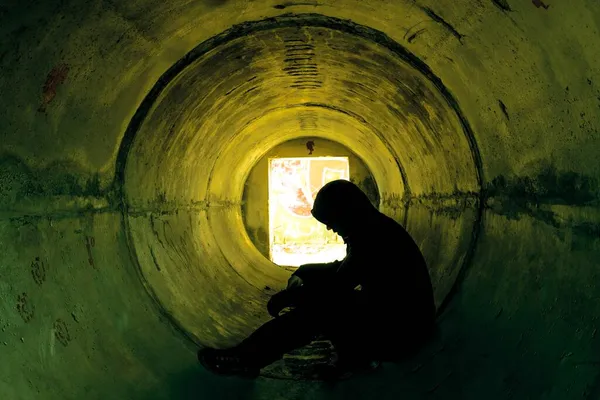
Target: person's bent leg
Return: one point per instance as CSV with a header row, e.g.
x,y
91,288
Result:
x,y
354,332
264,346
353,341
278,336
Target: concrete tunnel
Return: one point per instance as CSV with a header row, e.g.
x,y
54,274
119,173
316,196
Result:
x,y
130,133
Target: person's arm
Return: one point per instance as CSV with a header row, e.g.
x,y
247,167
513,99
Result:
x,y
345,274
328,280
336,278
317,273
351,270
319,277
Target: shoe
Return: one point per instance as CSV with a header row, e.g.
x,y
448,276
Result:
x,y
224,362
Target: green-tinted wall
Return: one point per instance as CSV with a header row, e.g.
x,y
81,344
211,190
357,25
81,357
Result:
x,y
122,166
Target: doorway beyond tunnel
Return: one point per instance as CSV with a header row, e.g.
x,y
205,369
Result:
x,y
295,237
309,174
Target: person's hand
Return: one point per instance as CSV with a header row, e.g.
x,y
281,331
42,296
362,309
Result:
x,y
277,303
294,281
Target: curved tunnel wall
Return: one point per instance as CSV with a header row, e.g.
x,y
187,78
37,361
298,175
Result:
x,y
522,320
409,135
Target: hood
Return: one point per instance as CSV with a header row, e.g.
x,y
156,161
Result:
x,y
341,201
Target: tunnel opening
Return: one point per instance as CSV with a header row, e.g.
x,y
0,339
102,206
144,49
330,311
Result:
x,y
295,237
189,235
255,202
255,198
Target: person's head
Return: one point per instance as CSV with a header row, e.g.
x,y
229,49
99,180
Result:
x,y
343,207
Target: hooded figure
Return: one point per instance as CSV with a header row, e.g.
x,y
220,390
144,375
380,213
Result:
x,y
375,304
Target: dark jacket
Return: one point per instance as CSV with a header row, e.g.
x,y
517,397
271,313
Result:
x,y
382,260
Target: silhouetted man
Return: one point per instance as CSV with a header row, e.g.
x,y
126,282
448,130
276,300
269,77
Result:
x,y
375,304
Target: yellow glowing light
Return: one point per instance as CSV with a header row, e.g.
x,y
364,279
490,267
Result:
x,y
297,238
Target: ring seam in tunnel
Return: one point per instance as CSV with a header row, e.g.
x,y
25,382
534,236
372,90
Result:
x,y
361,120
407,192
191,339
285,20
297,20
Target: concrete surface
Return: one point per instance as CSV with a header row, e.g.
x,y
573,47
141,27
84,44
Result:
x,y
130,128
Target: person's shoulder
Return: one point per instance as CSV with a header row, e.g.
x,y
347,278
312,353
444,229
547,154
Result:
x,y
393,232
387,222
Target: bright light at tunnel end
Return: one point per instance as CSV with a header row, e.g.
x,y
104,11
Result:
x,y
295,236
